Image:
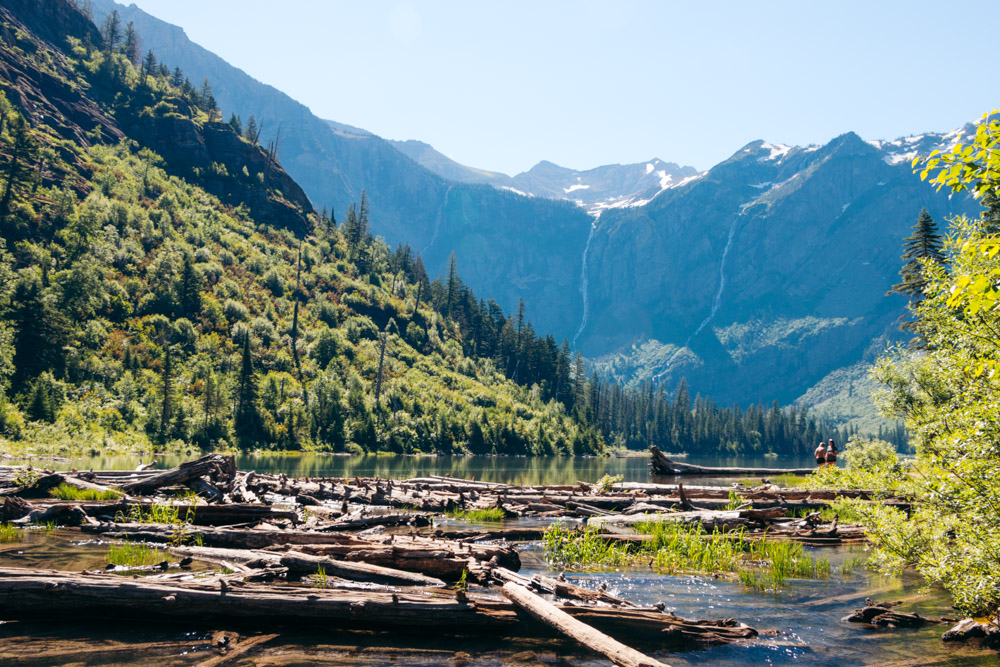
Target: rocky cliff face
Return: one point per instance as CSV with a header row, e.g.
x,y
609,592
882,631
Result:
x,y
87,109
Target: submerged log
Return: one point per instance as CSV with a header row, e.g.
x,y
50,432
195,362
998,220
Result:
x,y
661,465
562,622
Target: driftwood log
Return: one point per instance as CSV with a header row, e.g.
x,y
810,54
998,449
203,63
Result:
x,y
661,465
552,616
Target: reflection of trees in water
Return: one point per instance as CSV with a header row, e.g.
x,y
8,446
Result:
x,y
510,470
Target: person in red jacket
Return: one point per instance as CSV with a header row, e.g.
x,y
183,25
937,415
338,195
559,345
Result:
x,y
831,453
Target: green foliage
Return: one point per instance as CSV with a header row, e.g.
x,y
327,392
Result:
x,y
10,533
676,548
607,483
949,395
320,579
488,514
67,492
134,554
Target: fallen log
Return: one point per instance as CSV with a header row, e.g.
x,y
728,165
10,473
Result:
x,y
557,587
300,563
223,467
661,465
46,594
562,622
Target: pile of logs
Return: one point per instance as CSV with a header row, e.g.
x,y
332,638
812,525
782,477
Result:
x,y
296,552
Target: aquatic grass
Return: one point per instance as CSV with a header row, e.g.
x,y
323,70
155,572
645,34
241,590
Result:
x,y
10,533
155,513
673,547
319,579
488,514
134,554
66,492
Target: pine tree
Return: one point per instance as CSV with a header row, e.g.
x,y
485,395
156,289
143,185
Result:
x,y
189,289
149,63
208,103
923,244
167,378
989,223
247,421
177,78
131,46
111,32
454,286
252,132
236,123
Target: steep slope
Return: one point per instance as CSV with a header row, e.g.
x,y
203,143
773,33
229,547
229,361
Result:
x,y
499,243
788,253
139,310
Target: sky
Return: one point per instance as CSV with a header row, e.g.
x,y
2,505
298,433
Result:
x,y
504,85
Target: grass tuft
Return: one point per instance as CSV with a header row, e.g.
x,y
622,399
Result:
x,y
66,492
761,564
134,554
10,533
489,514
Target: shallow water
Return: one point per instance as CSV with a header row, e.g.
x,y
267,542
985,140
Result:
x,y
806,614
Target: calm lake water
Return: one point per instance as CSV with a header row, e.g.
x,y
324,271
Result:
x,y
510,470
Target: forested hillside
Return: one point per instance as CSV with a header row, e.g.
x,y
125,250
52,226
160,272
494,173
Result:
x,y
165,283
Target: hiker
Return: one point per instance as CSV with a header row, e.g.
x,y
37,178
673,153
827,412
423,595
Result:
x,y
820,454
831,454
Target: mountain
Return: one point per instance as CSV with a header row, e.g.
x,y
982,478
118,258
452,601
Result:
x,y
502,240
596,190
164,283
787,255
758,279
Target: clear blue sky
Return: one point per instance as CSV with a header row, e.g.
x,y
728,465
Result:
x,y
502,85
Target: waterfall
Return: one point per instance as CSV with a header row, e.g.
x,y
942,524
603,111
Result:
x,y
437,221
718,295
722,281
583,282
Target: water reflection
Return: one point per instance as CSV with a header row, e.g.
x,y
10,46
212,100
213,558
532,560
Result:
x,y
510,470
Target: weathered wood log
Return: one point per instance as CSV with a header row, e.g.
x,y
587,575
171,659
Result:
x,y
557,587
54,594
63,514
300,563
710,519
562,622
222,467
661,465
39,488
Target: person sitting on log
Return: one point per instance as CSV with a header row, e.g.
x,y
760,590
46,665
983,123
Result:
x,y
831,454
820,454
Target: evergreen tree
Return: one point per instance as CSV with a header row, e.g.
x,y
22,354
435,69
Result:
x,y
247,421
177,78
111,32
989,221
252,131
167,405
131,46
236,123
923,244
149,64
207,99
189,289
